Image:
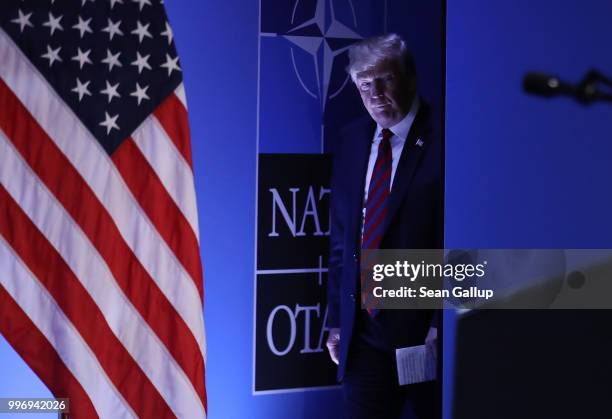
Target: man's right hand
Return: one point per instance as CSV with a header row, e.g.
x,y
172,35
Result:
x,y
333,344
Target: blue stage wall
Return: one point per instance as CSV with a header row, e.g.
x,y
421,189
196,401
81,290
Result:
x,y
522,171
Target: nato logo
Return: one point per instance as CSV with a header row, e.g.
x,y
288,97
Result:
x,y
322,38
303,84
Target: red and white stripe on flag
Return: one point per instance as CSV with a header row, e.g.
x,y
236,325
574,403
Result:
x,y
100,273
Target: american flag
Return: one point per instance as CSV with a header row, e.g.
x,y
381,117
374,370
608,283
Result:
x,y
100,273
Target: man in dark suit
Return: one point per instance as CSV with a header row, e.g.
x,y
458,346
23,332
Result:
x,y
386,193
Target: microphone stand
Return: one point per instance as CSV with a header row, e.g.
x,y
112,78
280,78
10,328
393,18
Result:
x,y
587,91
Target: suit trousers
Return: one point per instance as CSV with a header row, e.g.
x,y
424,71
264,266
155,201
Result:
x,y
370,387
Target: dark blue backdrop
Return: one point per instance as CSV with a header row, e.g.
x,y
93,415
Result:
x,y
523,171
520,171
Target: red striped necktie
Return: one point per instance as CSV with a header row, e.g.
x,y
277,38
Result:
x,y
378,194
376,207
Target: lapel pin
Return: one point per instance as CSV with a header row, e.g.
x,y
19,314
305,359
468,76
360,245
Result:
x,y
419,142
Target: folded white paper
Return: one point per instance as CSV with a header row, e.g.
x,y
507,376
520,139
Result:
x,y
415,364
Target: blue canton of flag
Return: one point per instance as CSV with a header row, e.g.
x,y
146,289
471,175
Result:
x,y
111,61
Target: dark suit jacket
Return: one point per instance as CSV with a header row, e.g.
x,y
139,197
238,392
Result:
x,y
414,221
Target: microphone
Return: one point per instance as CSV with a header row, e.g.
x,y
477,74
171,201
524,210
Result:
x,y
585,92
547,85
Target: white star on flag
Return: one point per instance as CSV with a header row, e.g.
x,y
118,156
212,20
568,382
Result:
x,y
82,57
83,26
81,89
23,20
110,122
110,91
171,64
141,62
54,23
52,55
112,60
140,93
142,31
168,33
113,29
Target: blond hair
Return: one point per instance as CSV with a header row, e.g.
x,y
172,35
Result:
x,y
367,53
